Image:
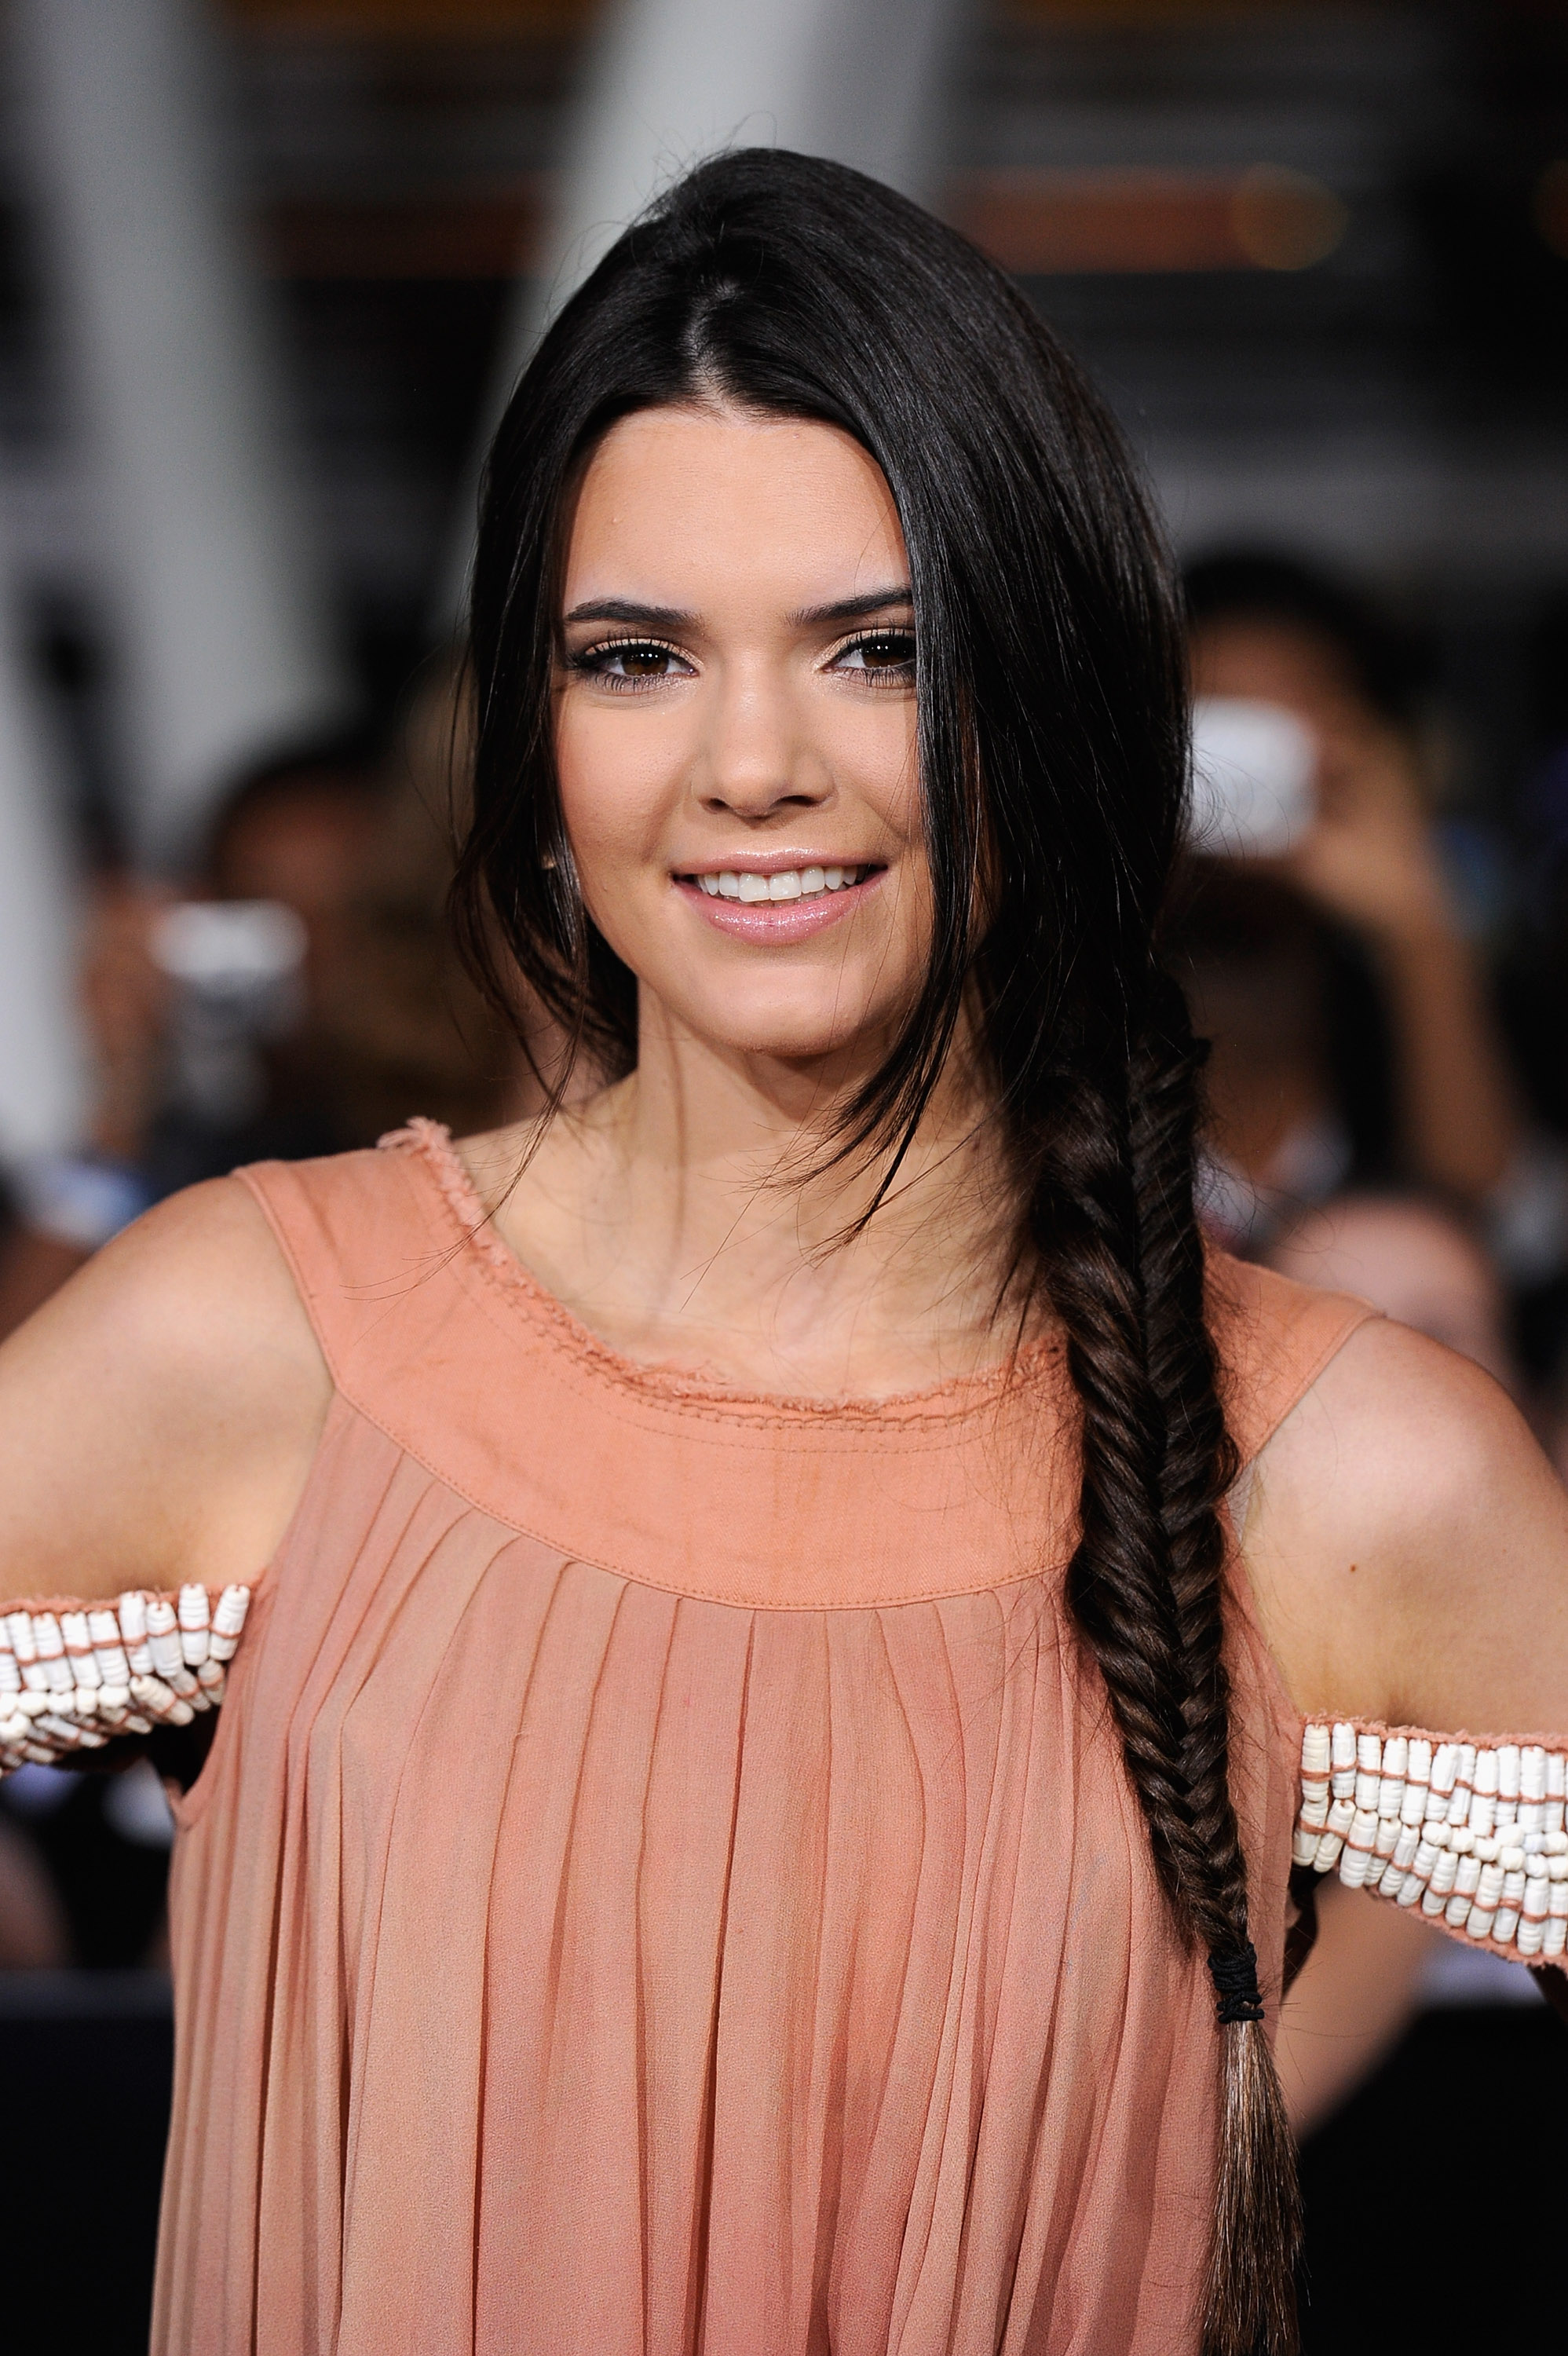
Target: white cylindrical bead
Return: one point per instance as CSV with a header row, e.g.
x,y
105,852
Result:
x,y
168,1654
50,1648
1417,1780
1369,1770
195,1619
228,1622
160,1701
1554,1938
1444,1872
228,1617
1508,1765
1422,1865
1464,1785
1556,1769
1314,1808
1405,1847
1304,1847
1329,1846
1484,1802
1536,1907
113,1671
83,1667
1317,1751
1390,1882
132,1613
1342,1753
1390,1784
1356,1863
1385,1838
163,1637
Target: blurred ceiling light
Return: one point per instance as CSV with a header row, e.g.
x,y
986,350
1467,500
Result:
x,y
1283,220
1550,207
419,19
1043,223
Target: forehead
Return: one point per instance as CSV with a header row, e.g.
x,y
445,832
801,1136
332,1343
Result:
x,y
679,506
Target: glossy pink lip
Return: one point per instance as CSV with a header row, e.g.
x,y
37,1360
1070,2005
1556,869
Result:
x,y
778,922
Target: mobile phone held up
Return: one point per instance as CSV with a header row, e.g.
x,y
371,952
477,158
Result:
x,y
1255,768
237,967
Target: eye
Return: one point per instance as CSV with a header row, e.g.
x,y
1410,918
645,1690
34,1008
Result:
x,y
630,662
881,658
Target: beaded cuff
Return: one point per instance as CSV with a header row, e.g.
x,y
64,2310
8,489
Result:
x,y
1472,1833
73,1677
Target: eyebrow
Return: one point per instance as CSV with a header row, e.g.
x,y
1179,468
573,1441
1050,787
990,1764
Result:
x,y
854,609
671,617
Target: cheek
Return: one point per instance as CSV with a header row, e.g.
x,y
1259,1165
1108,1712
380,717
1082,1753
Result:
x,y
615,783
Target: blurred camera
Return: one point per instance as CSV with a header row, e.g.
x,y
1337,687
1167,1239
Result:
x,y
1254,769
238,971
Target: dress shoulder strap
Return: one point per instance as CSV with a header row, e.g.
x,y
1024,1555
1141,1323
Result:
x,y
372,1265
1274,1338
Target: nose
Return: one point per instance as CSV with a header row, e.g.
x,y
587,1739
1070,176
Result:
x,y
754,760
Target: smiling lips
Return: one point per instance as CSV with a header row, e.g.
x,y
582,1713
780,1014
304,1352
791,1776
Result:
x,y
786,906
790,884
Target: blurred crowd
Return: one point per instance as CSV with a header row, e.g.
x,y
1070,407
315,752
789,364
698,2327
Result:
x,y
1387,1114
295,994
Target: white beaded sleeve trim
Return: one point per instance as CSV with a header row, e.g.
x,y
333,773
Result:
x,y
73,1678
1472,1833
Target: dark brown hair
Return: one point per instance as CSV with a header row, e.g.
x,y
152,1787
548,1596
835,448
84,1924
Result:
x,y
1052,731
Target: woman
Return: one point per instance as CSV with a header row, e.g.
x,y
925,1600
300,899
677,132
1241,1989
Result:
x,y
755,1766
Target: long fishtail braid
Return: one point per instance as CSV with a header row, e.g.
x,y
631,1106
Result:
x,y
1122,1258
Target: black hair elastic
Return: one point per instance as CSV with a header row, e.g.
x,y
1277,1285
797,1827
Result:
x,y
1236,1978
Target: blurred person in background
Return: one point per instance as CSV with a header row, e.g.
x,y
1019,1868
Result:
x,y
173,1100
1352,1033
357,844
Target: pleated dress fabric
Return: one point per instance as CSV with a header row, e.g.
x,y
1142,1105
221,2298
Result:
x,y
665,1883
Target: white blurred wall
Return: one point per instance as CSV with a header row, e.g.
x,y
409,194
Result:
x,y
42,1068
673,80
218,607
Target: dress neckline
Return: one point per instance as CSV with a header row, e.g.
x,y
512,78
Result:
x,y
955,1397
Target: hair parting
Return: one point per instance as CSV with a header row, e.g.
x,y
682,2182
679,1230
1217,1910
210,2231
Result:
x,y
1052,749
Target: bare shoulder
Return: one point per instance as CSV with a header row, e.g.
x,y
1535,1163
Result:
x,y
1408,1545
158,1415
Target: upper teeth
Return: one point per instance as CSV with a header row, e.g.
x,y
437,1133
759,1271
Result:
x,y
794,883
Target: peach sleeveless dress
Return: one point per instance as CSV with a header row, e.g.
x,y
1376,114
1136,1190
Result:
x,y
665,1880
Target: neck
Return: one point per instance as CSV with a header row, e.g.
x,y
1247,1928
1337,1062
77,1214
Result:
x,y
686,1217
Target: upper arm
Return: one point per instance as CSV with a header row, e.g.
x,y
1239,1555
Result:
x,y
158,1416
1408,1546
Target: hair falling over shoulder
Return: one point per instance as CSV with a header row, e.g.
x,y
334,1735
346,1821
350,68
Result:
x,y
1052,726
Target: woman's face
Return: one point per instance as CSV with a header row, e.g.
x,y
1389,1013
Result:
x,y
735,729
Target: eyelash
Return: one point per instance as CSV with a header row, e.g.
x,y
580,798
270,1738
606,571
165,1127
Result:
x,y
592,662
